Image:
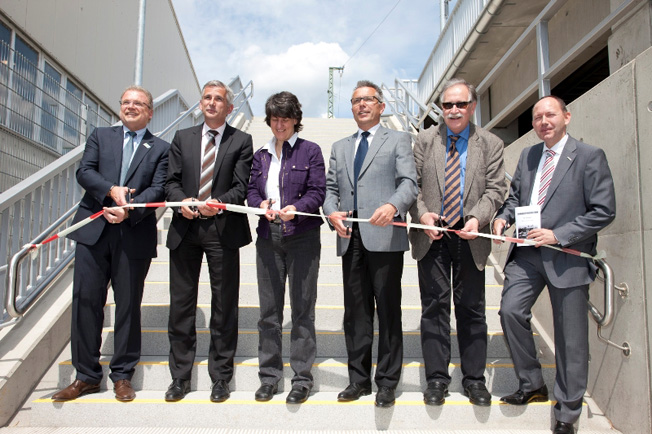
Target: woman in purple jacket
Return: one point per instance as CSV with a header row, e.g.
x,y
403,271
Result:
x,y
288,174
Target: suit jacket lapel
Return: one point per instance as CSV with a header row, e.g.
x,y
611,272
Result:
x,y
440,159
195,154
565,162
143,148
225,143
528,178
472,159
117,145
378,141
349,157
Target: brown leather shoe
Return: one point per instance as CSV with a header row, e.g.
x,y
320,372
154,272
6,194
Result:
x,y
123,391
75,390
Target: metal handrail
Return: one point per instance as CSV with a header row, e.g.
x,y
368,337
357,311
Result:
x,y
603,320
13,279
237,111
13,276
431,111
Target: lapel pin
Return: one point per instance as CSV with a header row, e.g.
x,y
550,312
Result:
x,y
147,145
569,158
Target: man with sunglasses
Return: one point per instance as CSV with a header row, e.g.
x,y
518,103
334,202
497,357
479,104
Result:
x,y
371,176
461,178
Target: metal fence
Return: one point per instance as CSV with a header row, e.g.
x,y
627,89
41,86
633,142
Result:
x,y
35,104
460,24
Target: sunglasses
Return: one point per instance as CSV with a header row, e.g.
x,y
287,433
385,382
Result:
x,y
459,104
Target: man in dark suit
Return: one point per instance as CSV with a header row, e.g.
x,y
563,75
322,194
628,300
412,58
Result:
x,y
118,248
372,174
462,183
210,162
572,184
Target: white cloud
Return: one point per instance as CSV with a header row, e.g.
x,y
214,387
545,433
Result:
x,y
290,44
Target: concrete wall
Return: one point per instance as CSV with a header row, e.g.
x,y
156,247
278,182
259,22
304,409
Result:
x,y
630,37
96,42
569,25
616,115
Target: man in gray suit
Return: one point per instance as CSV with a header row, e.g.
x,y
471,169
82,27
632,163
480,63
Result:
x,y
572,184
462,183
371,176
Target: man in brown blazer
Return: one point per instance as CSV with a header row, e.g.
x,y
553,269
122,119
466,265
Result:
x,y
461,182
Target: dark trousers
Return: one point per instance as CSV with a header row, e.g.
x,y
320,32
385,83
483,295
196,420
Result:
x,y
295,259
372,277
95,267
525,278
451,257
224,272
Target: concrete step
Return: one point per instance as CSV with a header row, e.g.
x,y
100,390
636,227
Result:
x,y
330,343
327,317
328,294
330,375
320,412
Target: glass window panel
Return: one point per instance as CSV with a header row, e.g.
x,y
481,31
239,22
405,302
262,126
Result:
x,y
24,87
105,118
5,41
91,115
72,115
50,106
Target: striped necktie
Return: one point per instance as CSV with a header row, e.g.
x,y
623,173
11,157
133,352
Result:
x,y
546,175
127,152
452,182
207,166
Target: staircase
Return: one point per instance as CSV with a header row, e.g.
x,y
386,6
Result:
x,y
321,412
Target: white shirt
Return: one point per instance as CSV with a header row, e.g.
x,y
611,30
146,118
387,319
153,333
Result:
x,y
272,187
205,137
557,149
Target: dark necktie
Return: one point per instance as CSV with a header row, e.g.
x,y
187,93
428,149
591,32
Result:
x,y
363,147
127,152
452,183
207,166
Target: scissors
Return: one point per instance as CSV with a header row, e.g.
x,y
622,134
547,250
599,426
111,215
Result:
x,y
442,224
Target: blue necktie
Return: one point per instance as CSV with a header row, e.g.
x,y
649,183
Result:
x,y
363,147
127,152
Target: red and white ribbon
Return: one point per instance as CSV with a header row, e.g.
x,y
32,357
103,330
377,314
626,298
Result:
x,y
260,211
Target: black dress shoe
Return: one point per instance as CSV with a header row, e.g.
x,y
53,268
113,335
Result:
x,y
385,397
522,398
353,392
564,428
220,391
436,393
266,391
478,394
297,395
177,390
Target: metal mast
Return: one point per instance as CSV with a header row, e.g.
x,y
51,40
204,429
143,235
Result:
x,y
330,87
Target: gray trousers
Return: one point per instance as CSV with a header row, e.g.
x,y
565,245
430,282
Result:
x,y
295,259
525,278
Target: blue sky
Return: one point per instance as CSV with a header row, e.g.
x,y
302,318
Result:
x,y
289,44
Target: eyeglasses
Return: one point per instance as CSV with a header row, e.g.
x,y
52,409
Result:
x,y
459,104
367,99
136,104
